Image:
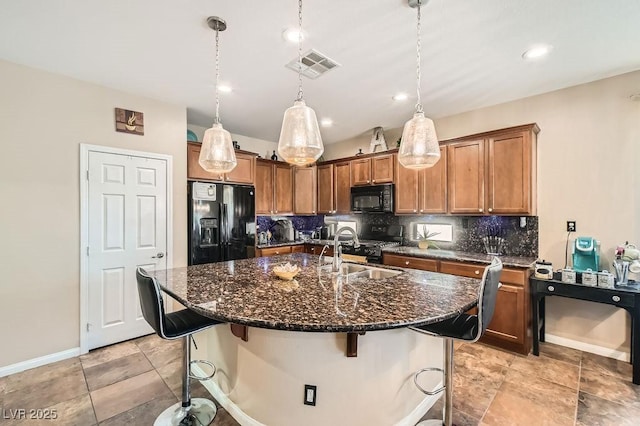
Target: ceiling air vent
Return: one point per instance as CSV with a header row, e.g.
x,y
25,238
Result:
x,y
313,65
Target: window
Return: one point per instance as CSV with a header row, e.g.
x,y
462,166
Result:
x,y
442,232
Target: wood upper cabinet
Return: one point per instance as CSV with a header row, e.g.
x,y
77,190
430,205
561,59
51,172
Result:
x,y
274,188
373,170
494,174
511,178
283,197
264,187
422,191
342,188
326,189
244,172
465,176
305,190
334,188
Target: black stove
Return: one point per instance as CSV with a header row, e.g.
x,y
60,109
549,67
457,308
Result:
x,y
373,239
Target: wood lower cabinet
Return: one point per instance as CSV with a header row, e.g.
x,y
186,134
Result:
x,y
317,249
511,322
373,170
274,188
410,262
243,173
422,191
274,251
305,190
510,327
298,249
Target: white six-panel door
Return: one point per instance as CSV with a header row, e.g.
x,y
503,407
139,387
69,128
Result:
x,y
127,227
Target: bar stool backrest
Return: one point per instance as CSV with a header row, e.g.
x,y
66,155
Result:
x,y
151,302
488,295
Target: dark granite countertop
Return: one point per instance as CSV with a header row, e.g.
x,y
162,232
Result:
x,y
246,292
280,244
460,256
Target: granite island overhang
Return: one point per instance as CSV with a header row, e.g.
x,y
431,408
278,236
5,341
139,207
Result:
x,y
298,335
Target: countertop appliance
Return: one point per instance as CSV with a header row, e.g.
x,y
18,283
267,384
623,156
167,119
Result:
x,y
221,222
373,239
586,254
283,231
372,198
543,270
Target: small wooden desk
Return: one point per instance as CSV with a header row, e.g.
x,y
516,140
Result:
x,y
627,299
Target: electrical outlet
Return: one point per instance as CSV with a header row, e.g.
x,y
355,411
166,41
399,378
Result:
x,y
310,392
571,226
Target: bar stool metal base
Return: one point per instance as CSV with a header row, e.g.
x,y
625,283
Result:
x,y
200,412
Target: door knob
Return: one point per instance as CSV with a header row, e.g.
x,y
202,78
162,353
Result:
x,y
158,256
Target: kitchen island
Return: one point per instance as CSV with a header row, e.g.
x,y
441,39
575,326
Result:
x,y
297,337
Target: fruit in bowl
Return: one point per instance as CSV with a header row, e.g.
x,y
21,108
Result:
x,y
286,271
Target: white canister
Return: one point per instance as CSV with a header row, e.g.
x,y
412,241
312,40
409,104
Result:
x,y
590,278
568,276
605,279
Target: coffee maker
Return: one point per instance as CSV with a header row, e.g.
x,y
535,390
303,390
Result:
x,y
586,254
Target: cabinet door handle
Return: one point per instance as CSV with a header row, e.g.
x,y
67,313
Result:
x,y
551,288
490,209
277,252
421,211
276,211
373,181
406,262
615,298
477,272
368,182
480,210
415,211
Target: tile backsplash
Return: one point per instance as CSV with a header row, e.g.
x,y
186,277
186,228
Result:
x,y
300,223
521,238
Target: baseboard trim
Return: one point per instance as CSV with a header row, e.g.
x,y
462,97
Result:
x,y
588,347
245,420
38,362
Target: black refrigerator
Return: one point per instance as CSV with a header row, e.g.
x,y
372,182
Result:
x,y
221,222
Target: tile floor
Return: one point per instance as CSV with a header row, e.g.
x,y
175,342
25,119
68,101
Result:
x,y
132,382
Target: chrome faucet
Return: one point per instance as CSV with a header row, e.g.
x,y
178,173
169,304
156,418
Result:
x,y
337,248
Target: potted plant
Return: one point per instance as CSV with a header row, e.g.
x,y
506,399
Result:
x,y
424,239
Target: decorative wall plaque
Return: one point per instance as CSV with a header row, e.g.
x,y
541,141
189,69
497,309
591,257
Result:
x,y
129,121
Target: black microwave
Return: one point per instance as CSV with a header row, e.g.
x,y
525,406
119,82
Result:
x,y
372,199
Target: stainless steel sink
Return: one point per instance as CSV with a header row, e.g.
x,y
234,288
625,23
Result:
x,y
350,268
373,273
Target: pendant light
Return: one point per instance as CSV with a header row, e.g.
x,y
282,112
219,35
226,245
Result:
x,y
300,141
419,146
217,154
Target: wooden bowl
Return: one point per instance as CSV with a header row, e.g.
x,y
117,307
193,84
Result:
x,y
286,275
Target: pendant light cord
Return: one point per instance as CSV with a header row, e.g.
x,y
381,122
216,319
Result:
x,y
217,120
299,98
419,103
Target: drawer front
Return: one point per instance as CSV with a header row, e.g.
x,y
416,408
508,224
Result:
x,y
462,269
511,276
297,249
410,262
317,249
274,251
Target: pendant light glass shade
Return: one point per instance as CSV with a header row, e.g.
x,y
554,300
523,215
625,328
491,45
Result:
x,y
419,146
300,141
217,154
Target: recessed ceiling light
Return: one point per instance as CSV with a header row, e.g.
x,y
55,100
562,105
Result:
x,y
400,97
537,52
224,88
326,122
292,34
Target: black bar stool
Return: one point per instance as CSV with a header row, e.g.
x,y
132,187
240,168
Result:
x,y
176,325
462,327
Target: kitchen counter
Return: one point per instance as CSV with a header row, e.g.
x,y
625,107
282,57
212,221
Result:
x,y
460,256
280,244
246,292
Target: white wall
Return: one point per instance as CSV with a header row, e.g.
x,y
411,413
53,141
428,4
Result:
x,y
43,119
349,147
259,146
